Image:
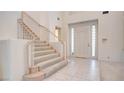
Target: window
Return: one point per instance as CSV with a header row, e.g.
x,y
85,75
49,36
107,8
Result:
x,y
72,41
56,33
93,40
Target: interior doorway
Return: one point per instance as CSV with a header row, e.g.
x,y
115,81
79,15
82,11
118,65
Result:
x,y
83,39
57,32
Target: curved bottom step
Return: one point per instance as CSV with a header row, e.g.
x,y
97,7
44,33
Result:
x,y
45,73
51,70
33,77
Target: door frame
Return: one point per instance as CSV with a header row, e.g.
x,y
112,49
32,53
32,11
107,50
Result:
x,y
97,30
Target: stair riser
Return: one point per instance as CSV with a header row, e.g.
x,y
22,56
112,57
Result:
x,y
34,70
39,41
43,53
41,45
40,78
37,78
30,37
42,48
36,61
55,70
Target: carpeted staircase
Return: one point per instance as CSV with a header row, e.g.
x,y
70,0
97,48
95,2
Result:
x,y
47,61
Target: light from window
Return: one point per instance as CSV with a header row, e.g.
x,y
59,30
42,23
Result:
x,y
93,40
72,41
57,34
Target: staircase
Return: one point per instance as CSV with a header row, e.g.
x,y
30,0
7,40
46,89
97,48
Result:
x,y
47,61
43,59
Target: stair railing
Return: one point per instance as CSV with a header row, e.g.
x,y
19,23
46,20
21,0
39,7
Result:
x,y
30,25
24,32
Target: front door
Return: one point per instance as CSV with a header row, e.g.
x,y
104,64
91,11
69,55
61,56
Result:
x,y
83,40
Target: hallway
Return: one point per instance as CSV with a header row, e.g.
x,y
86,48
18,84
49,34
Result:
x,y
89,70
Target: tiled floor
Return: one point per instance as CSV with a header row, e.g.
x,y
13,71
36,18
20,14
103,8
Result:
x,y
89,70
112,71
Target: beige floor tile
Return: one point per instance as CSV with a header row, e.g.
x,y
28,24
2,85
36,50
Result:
x,y
89,70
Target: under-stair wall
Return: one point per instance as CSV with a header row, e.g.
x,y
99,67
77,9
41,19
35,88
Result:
x,y
13,59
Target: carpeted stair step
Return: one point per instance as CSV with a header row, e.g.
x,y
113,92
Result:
x,y
45,52
41,44
45,58
38,41
54,68
34,76
42,48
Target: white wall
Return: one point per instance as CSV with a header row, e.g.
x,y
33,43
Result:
x,y
49,20
8,24
53,22
4,60
110,26
40,16
13,59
